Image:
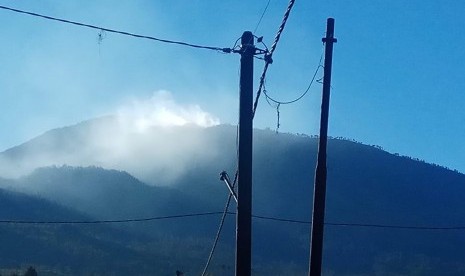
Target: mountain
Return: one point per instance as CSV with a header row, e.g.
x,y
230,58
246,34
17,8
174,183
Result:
x,y
149,247
157,155
103,193
163,171
64,249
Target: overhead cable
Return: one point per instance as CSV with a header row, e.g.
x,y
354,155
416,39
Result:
x,y
268,56
367,225
337,224
261,17
265,92
224,50
407,227
220,227
108,221
270,100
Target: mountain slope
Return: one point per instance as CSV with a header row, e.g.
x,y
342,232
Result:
x,y
102,193
68,249
157,155
366,185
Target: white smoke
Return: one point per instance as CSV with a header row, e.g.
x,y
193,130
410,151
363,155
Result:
x,y
156,140
162,110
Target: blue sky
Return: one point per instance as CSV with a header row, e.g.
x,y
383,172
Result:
x,y
397,72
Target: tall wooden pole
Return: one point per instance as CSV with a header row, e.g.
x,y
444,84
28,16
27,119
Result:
x,y
244,192
319,193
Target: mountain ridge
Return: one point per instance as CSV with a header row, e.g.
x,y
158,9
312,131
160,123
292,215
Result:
x,y
366,185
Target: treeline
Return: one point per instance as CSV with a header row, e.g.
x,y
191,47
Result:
x,y
381,148
31,271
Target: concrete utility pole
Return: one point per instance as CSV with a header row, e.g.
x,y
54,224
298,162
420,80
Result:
x,y
319,193
244,190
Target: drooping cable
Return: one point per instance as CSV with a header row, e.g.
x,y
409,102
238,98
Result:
x,y
108,221
336,224
268,56
224,50
265,92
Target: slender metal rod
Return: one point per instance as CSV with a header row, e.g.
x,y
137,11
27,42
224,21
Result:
x,y
244,192
224,177
319,193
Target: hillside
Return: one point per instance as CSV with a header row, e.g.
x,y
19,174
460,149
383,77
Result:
x,y
366,185
64,249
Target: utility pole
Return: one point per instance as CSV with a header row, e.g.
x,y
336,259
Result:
x,y
319,193
244,190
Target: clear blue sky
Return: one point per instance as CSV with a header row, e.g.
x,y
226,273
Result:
x,y
397,74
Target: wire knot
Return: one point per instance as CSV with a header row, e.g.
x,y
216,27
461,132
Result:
x,y
227,50
268,58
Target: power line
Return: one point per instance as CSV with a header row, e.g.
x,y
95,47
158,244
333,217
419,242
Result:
x,y
337,224
268,56
220,227
408,227
281,219
261,17
109,221
281,27
265,92
224,50
225,212
270,100
387,226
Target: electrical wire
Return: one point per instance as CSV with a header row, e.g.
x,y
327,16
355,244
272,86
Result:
x,y
270,100
281,27
275,106
388,226
265,92
278,103
261,17
220,227
337,224
268,56
407,227
109,221
225,212
224,50
281,219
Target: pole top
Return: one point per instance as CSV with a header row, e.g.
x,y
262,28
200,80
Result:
x,y
329,31
247,38
247,43
247,33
